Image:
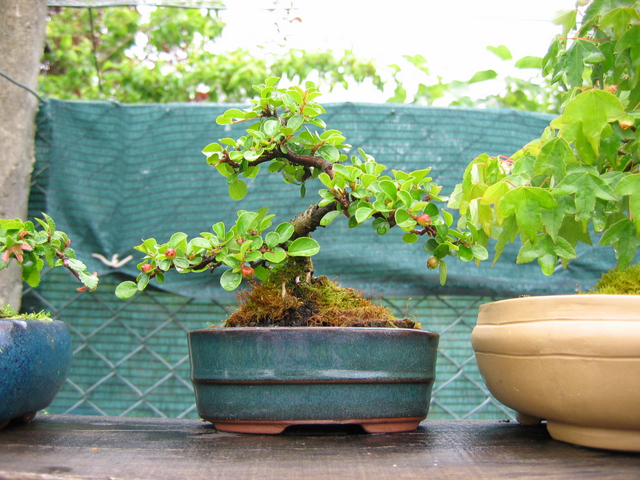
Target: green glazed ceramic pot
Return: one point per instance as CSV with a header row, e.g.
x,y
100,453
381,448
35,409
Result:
x,y
261,380
35,357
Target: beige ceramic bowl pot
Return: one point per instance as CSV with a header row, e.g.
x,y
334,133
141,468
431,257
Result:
x,y
571,360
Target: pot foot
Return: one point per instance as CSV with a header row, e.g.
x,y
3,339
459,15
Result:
x,y
390,427
527,420
606,438
258,428
26,418
377,425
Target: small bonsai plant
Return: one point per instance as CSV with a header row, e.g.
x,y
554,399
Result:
x,y
581,179
287,136
34,248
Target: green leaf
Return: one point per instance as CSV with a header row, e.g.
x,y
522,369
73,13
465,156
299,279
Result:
x,y
285,230
494,193
230,280
526,203
295,122
225,169
381,226
630,185
270,127
594,109
574,61
330,217
630,40
529,62
326,180
479,252
443,272
403,219
50,223
176,239
553,158
126,290
181,263
91,281
245,219
618,20
272,239
303,247
251,155
238,189
31,276
465,254
363,213
219,230
410,237
329,152
389,188
277,256
547,253
586,187
405,197
622,235
567,19
501,51
483,76
11,224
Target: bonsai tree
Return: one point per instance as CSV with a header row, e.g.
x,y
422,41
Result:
x,y
580,180
33,248
286,135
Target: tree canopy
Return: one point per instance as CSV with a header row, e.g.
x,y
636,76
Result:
x,y
169,54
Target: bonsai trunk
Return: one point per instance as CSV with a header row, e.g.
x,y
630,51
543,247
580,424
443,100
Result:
x,y
22,33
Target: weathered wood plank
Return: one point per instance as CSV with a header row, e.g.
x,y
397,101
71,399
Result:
x,y
68,447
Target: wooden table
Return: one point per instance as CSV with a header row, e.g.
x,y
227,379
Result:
x,y
70,446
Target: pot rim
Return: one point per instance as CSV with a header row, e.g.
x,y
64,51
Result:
x,y
312,329
596,307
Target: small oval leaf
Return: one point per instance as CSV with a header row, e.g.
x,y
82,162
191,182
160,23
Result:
x,y
304,247
230,280
126,290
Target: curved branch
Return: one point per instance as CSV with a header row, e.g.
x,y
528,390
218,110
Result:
x,y
310,161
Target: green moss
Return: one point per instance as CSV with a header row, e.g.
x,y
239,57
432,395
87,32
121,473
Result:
x,y
292,296
620,282
7,311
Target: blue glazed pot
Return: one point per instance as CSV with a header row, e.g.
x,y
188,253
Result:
x,y
35,357
261,380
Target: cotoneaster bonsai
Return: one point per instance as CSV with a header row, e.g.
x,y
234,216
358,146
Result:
x,y
35,351
571,360
249,379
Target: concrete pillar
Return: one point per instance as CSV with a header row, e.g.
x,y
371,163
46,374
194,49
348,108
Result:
x,y
22,34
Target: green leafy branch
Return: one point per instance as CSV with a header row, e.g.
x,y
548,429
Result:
x,y
280,135
583,175
33,248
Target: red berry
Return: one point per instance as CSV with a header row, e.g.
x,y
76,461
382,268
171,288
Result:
x,y
170,253
146,267
432,263
424,220
247,271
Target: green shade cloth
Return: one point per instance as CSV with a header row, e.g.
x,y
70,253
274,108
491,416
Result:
x,y
115,174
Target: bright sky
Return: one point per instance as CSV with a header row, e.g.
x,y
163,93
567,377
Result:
x,y
452,35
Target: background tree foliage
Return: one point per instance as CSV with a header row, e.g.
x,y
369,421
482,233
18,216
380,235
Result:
x,y
169,56
119,54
